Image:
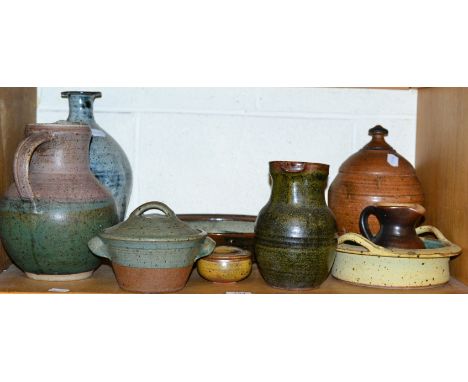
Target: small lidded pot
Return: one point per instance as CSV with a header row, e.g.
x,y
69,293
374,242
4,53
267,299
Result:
x,y
225,265
152,253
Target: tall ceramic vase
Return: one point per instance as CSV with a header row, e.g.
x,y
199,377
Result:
x,y
107,159
295,231
56,205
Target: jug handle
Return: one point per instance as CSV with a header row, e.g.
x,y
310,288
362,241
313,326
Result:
x,y
98,247
21,161
208,245
153,206
364,221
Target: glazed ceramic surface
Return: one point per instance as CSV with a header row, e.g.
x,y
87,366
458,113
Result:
x,y
397,225
295,231
107,159
225,265
366,263
230,230
375,174
152,253
55,205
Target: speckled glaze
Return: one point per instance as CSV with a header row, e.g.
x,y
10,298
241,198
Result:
x,y
397,225
375,174
108,161
55,205
368,264
295,231
225,265
152,253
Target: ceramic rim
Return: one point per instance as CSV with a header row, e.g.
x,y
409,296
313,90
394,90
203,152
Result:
x,y
224,252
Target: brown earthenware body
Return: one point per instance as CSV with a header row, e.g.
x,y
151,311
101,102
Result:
x,y
397,225
375,174
151,280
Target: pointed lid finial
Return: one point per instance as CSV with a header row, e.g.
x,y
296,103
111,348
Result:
x,y
377,129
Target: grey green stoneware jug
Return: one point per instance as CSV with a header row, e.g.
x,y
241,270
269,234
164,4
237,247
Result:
x,y
152,253
108,161
295,233
55,205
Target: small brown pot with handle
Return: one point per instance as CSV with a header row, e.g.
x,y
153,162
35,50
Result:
x,y
397,225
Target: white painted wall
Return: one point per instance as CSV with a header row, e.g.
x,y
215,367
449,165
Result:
x,y
206,150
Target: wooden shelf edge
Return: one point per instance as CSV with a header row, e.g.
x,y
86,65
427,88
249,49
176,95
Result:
x,y
103,281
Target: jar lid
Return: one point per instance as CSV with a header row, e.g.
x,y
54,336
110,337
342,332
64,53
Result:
x,y
377,157
152,227
224,252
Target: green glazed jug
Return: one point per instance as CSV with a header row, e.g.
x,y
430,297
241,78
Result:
x,y
296,231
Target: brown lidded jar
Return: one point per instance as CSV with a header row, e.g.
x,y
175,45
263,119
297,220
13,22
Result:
x,y
375,174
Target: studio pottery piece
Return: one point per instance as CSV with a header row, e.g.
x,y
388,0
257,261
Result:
x,y
55,204
295,231
152,253
397,225
375,174
107,159
360,261
225,265
226,230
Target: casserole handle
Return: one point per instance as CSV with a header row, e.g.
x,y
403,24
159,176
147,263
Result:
x,y
208,245
153,206
97,246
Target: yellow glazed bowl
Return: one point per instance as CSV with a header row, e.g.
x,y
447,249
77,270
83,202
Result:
x,y
225,265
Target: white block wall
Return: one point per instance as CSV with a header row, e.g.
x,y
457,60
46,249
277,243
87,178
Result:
x,y
206,150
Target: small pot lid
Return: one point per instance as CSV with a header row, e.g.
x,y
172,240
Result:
x,y
225,252
152,227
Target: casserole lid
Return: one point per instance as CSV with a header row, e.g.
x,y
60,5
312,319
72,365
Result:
x,y
152,227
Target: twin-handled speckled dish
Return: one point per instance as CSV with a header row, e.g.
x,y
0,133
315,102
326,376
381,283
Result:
x,y
152,253
369,264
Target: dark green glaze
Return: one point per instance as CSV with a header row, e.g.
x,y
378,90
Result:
x,y
296,232
53,238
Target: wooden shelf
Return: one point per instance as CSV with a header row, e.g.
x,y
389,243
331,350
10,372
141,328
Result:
x,y
13,280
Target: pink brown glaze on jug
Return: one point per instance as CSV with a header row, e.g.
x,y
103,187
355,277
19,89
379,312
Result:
x,y
398,224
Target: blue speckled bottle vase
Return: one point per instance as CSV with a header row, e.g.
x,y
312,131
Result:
x,y
108,161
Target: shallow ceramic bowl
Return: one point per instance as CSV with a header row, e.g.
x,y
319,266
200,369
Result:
x,y
225,265
369,264
231,230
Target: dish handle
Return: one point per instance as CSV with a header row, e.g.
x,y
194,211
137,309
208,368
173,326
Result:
x,y
208,245
431,229
364,242
98,247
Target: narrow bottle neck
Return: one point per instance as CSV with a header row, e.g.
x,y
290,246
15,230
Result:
x,y
297,189
81,108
